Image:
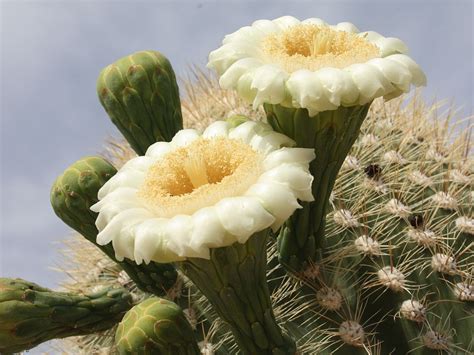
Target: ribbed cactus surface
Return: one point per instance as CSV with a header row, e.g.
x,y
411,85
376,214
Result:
x,y
31,314
156,326
141,96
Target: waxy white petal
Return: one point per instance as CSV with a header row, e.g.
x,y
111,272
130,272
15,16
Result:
x,y
243,216
217,129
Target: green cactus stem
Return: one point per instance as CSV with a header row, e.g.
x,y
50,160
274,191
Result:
x,y
156,326
331,134
72,195
31,315
140,94
234,282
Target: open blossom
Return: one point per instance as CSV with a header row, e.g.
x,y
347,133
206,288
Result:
x,y
202,191
310,64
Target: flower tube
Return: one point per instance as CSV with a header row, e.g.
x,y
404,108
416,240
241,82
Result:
x,y
316,83
207,202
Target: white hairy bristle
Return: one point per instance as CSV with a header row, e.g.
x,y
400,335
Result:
x,y
465,225
464,291
413,310
394,157
191,316
444,264
350,163
458,177
329,298
384,125
436,341
123,278
345,219
352,333
425,238
376,185
444,200
418,178
206,348
434,154
369,139
397,208
312,271
367,245
392,278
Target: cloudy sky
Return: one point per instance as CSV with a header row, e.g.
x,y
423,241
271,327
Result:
x,y
52,52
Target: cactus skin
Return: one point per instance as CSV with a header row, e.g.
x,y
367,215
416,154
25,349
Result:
x,y
31,315
72,195
331,134
140,94
234,282
155,326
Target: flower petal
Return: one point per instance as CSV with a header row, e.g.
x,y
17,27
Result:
x,y
269,81
158,149
419,78
370,82
184,137
217,129
286,21
230,78
131,178
292,175
151,242
243,216
277,199
208,230
288,155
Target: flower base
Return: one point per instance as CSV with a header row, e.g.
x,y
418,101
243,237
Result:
x,y
234,282
331,134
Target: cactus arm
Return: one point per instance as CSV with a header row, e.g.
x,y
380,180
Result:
x,y
71,197
331,134
31,315
155,326
140,94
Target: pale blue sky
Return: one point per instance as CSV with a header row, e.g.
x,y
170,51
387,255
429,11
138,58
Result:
x,y
52,51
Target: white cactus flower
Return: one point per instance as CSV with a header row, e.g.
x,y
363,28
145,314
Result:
x,y
202,191
311,64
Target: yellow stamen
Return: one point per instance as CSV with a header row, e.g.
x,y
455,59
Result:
x,y
195,168
312,47
199,175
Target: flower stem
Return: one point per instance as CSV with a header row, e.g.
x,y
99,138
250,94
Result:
x,y
234,282
331,134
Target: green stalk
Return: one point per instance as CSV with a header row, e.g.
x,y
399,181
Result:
x,y
331,134
234,282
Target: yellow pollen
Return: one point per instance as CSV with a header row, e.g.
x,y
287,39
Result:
x,y
200,175
312,47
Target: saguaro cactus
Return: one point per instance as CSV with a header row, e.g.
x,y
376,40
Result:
x,y
31,314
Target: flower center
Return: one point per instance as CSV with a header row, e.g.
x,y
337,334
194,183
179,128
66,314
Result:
x,y
199,175
312,47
